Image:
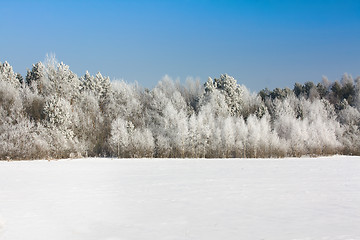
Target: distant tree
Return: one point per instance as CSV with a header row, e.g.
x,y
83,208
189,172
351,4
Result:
x,y
228,87
348,89
58,115
265,94
98,85
120,139
228,137
322,90
279,93
308,86
298,89
37,72
357,93
7,74
20,78
55,114
336,90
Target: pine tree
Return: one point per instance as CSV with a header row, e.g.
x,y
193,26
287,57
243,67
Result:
x,y
7,74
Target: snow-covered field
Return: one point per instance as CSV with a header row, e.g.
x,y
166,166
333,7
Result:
x,y
115,199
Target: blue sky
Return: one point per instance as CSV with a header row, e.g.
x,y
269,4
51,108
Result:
x,y
261,43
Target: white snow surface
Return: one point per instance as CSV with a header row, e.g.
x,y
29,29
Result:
x,y
116,199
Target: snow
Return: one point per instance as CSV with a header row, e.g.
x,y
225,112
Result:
x,y
115,199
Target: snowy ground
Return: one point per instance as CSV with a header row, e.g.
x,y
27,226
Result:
x,y
114,199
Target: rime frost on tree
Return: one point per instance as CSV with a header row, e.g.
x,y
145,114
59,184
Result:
x,y
119,140
65,83
175,123
200,133
228,86
241,136
58,115
228,136
37,72
87,123
357,93
209,86
217,102
98,85
125,100
315,131
167,114
7,74
142,143
126,141
237,98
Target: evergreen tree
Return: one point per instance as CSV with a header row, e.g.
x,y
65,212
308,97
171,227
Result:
x,y
7,74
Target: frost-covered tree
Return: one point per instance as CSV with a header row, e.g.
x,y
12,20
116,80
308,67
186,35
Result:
x,y
119,140
191,93
63,82
128,141
142,143
20,137
98,85
315,132
176,129
7,74
229,88
228,137
59,123
35,74
125,100
357,93
216,102
88,124
55,114
350,120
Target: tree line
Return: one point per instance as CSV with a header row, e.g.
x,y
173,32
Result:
x,y
53,113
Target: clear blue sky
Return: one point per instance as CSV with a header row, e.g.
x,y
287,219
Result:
x,y
261,43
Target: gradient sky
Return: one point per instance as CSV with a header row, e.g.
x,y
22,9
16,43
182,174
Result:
x,y
261,43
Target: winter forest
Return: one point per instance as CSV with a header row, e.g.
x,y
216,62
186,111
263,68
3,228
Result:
x,y
53,113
